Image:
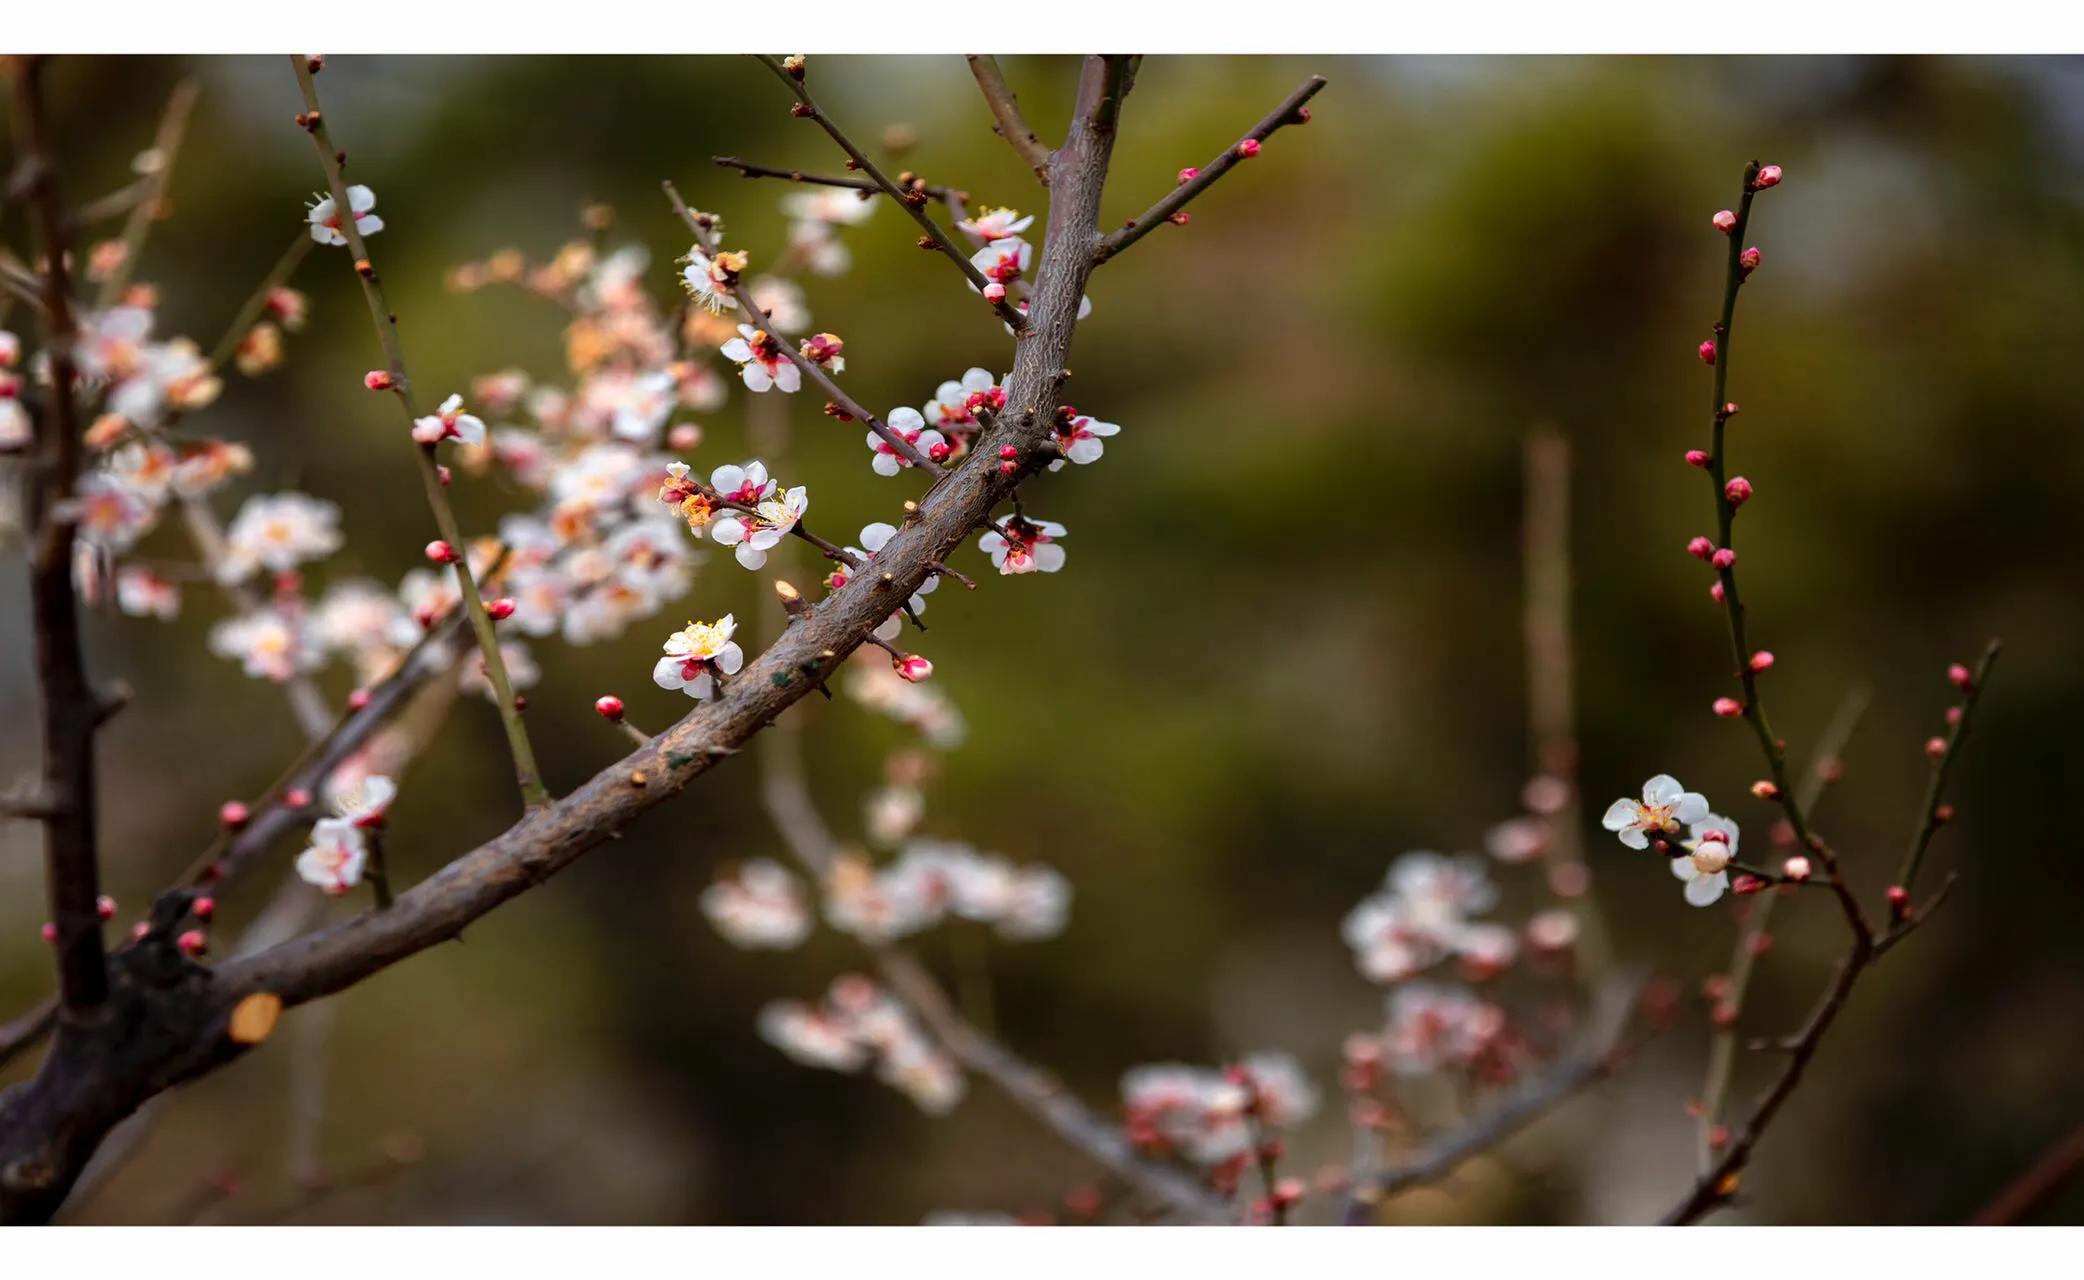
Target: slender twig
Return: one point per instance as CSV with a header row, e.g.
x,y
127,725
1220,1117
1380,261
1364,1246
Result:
x,y
746,169
1006,117
1929,820
706,236
1289,112
70,711
173,123
1722,1045
939,238
526,774
2032,1188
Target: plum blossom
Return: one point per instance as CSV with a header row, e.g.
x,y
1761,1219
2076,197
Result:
x,y
950,407
325,216
910,427
755,533
1422,915
449,423
696,654
712,281
995,224
1665,807
1712,843
876,536
858,1023
110,514
760,906
1004,261
1433,1027
336,856
762,361
1021,545
141,593
267,643
278,532
1202,1113
1078,438
364,801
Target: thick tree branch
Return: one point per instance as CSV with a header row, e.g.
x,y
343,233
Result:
x,y
526,773
1289,112
1006,117
70,711
806,105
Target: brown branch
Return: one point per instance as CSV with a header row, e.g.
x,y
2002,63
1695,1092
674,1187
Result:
x,y
69,709
250,310
2033,1188
746,169
173,1019
806,105
526,774
1289,112
1006,117
1929,820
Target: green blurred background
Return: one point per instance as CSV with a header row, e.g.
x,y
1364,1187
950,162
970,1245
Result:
x,y
1286,646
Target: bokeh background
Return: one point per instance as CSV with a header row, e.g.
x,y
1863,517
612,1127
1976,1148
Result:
x,y
1286,647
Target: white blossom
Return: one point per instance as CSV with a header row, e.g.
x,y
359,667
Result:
x,y
325,216
1664,808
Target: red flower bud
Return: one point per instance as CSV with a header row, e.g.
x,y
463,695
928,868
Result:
x,y
1768,177
378,380
1723,559
608,705
1738,491
1942,815
1761,661
1746,885
193,942
1707,352
1725,221
1748,260
501,609
1700,548
359,699
1715,591
203,908
441,552
1188,175
1009,452
105,907
1248,148
1935,747
1765,789
297,798
234,815
994,292
49,932
1728,708
1961,677
1697,458
914,668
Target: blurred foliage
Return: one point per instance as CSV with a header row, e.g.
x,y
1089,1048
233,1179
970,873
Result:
x,y
1286,645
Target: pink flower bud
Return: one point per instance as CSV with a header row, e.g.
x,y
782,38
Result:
x,y
1796,868
1728,708
1935,747
1697,458
501,609
1961,677
1715,591
1723,559
940,450
105,907
1761,661
1738,491
446,476
297,798
1746,885
684,436
994,292
359,699
378,380
1188,175
1180,219
1748,260
1008,467
1248,148
1707,352
1700,548
441,552
1009,452
914,668
1942,815
192,943
203,908
49,932
1725,221
1953,716
1731,409
233,815
1899,899
1714,835
1765,789
608,705
1768,177
140,931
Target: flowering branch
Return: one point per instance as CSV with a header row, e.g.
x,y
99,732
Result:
x,y
179,1019
70,709
1933,814
1005,113
173,123
1195,181
526,774
792,75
